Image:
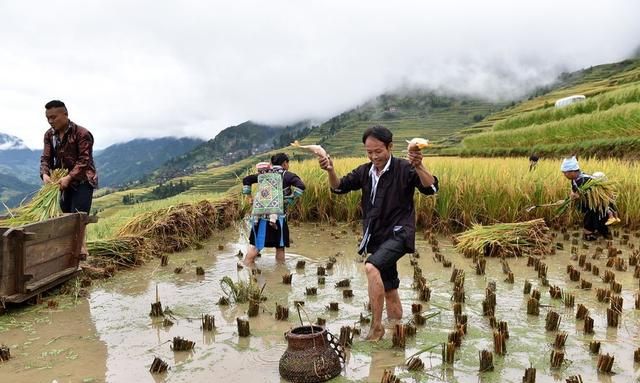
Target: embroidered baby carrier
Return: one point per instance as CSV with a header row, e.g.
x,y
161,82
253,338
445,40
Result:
x,y
269,198
268,205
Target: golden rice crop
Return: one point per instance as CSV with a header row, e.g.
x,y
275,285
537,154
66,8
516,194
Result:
x,y
596,193
44,205
175,228
473,190
125,251
509,239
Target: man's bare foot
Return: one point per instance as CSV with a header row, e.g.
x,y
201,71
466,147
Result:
x,y
375,334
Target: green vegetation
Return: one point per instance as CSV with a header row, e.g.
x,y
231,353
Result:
x,y
598,103
229,146
161,191
607,87
619,121
409,115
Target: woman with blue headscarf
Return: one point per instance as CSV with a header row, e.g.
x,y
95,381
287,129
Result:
x,y
594,221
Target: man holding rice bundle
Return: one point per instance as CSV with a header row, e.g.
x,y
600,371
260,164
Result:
x,y
599,211
69,146
388,184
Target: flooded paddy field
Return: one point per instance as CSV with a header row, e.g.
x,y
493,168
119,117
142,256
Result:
x,y
109,335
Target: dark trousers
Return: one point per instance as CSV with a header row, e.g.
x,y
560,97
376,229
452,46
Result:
x,y
76,198
594,221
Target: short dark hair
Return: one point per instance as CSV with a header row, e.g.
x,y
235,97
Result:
x,y
54,104
279,159
380,133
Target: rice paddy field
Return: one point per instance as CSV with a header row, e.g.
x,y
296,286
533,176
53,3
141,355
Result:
x,y
474,190
569,311
105,333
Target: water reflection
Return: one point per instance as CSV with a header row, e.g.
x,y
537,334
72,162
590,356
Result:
x,y
118,312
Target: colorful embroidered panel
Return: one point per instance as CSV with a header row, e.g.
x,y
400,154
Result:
x,y
269,198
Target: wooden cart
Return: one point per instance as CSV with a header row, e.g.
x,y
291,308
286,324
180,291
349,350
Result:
x,y
39,256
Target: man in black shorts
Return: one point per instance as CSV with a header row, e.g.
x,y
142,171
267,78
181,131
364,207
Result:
x,y
69,146
389,216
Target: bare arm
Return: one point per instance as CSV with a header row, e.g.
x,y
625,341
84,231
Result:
x,y
327,164
426,178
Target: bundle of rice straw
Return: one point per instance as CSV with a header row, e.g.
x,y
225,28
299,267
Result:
x,y
44,205
596,194
182,226
508,239
125,251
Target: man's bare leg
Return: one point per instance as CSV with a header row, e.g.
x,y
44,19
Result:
x,y
280,254
376,298
394,306
250,257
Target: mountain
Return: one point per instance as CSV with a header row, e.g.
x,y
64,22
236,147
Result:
x,y
18,160
450,121
408,114
13,190
230,145
117,164
123,163
8,142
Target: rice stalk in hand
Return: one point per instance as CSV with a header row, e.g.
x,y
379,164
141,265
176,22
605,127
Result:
x,y
44,205
596,194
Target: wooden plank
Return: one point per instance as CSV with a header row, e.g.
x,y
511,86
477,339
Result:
x,y
50,279
6,267
35,254
16,251
18,298
52,228
45,251
53,266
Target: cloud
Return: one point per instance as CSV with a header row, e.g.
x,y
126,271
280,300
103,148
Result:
x,y
150,69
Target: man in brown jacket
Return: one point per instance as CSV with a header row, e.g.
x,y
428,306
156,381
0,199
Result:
x,y
69,146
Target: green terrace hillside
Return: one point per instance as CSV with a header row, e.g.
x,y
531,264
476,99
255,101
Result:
x,y
230,145
413,114
606,124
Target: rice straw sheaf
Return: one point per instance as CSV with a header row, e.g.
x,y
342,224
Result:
x,y
125,251
508,239
597,194
178,227
44,205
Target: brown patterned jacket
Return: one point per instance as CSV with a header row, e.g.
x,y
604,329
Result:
x,y
73,152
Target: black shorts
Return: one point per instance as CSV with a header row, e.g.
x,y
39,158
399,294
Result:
x,y
76,198
277,237
386,257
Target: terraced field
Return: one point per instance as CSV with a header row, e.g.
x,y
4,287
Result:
x,y
607,124
423,116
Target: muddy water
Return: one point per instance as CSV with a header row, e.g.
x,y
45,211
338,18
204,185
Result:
x,y
110,337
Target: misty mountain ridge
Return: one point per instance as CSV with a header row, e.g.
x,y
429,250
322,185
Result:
x,y
8,142
117,165
231,145
127,162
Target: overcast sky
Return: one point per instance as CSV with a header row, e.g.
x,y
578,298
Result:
x,y
130,69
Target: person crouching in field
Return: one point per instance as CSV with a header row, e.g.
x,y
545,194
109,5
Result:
x,y
389,216
594,222
277,189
